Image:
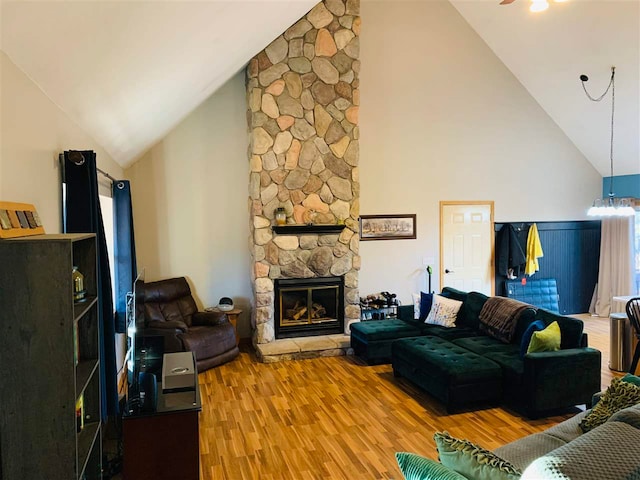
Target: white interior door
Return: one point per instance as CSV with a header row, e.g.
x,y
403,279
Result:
x,y
466,246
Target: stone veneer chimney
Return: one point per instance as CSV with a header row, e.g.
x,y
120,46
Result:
x,y
303,98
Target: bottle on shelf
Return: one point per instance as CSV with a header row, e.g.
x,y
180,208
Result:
x,y
79,292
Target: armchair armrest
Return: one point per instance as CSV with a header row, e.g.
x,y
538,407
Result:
x,y
584,341
209,318
561,378
171,325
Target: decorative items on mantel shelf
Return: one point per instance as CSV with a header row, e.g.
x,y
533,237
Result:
x,y
306,229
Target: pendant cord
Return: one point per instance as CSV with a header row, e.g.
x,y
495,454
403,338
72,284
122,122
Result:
x,y
612,87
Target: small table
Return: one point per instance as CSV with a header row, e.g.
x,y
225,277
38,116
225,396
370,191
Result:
x,y
623,299
232,315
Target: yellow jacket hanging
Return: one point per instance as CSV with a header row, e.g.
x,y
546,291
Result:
x,y
534,251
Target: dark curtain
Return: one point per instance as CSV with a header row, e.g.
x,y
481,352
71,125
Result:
x,y
82,214
125,249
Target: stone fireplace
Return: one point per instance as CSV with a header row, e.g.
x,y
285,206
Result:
x,y
303,101
308,307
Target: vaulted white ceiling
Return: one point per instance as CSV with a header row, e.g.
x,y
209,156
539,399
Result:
x,y
548,51
128,72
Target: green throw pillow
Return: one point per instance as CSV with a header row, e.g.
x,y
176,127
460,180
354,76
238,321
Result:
x,y
415,467
547,340
472,461
619,395
629,378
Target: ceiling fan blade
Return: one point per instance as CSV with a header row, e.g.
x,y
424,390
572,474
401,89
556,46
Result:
x,y
506,2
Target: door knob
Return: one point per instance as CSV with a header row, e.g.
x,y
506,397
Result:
x,y
446,270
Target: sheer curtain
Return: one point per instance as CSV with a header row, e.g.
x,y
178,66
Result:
x,y
616,272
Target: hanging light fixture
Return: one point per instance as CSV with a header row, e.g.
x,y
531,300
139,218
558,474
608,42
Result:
x,y
611,206
536,5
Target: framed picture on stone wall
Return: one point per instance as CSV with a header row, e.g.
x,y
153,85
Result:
x,y
388,227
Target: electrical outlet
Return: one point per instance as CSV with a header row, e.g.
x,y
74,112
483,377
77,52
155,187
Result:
x,y
428,261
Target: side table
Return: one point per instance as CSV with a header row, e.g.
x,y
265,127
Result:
x,y
232,315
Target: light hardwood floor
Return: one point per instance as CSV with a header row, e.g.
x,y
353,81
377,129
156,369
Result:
x,y
337,418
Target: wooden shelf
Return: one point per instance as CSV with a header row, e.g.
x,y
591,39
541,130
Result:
x,y
86,440
80,308
302,229
39,437
84,371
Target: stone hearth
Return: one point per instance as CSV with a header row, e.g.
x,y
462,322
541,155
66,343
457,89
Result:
x,y
303,100
303,348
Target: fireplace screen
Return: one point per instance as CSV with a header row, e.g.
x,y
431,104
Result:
x,y
309,306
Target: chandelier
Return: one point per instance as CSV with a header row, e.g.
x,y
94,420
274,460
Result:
x,y
611,206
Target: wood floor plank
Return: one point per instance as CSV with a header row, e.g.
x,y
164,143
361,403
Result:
x,y
337,418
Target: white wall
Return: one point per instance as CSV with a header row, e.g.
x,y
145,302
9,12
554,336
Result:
x,y
190,203
441,118
33,131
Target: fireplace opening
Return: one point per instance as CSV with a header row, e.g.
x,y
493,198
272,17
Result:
x,y
309,306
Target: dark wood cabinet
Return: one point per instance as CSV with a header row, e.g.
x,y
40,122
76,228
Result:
x,y
164,444
49,359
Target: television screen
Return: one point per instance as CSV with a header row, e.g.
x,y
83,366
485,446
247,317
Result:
x,y
135,326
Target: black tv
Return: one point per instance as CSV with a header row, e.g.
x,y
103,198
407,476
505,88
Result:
x,y
135,325
144,355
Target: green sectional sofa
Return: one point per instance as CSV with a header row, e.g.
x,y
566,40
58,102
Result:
x,y
463,365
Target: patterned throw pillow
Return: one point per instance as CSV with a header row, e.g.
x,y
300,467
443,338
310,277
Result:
x,y
444,311
416,305
415,467
472,461
421,305
619,395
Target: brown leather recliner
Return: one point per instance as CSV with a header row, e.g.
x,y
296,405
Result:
x,y
171,311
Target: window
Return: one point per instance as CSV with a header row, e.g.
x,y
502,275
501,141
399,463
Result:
x,y
106,205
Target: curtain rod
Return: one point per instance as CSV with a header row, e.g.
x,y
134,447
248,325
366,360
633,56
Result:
x,y
78,158
106,175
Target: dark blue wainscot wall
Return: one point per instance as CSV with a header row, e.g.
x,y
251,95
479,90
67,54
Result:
x,y
571,256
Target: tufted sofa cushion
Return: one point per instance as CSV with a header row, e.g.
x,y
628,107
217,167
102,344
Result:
x,y
383,330
483,345
446,360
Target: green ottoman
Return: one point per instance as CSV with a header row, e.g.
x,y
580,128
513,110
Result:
x,y
372,340
451,373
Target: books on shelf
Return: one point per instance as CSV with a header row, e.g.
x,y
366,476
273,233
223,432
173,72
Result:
x,y
76,344
80,413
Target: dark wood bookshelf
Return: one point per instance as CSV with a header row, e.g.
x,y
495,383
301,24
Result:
x,y
50,356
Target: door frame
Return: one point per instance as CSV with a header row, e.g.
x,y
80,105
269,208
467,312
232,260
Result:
x,y
488,203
